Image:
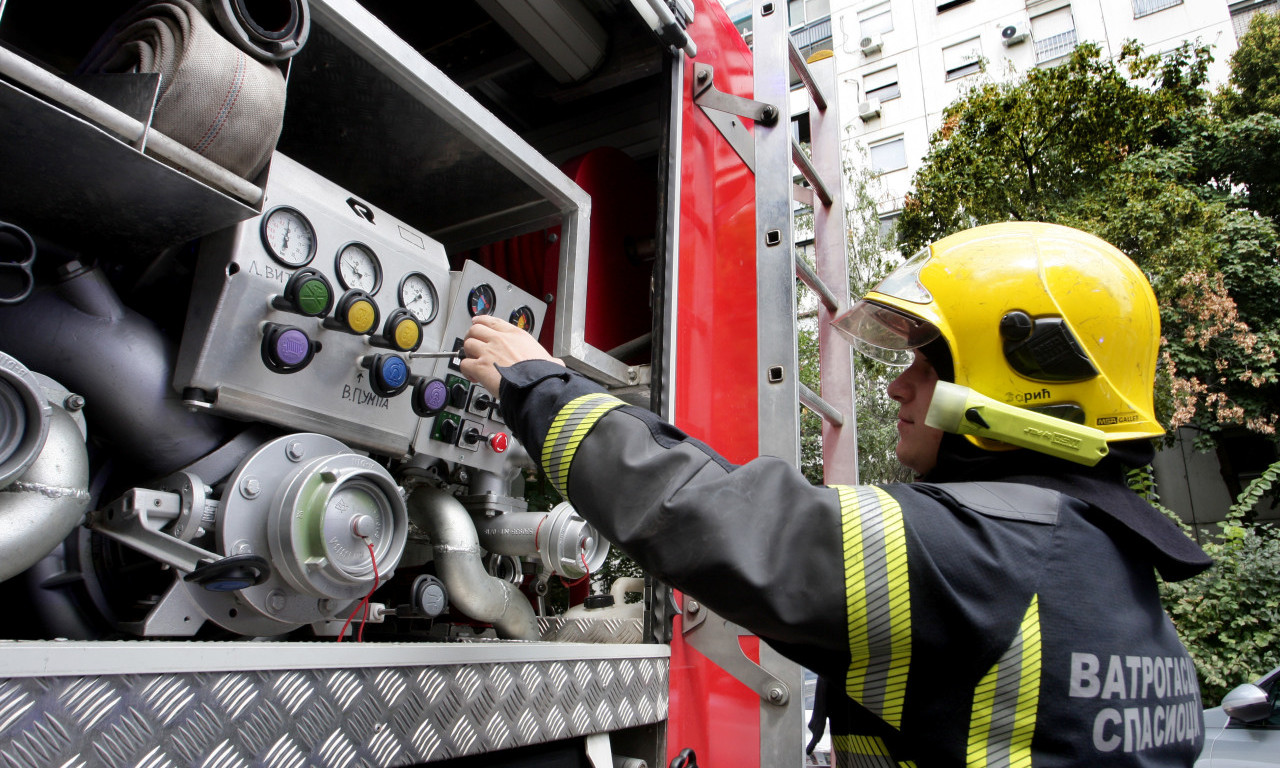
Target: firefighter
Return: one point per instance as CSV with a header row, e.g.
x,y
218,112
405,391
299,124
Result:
x,y
1003,608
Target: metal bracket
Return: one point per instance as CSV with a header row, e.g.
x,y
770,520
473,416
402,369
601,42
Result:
x,y
129,520
717,638
724,110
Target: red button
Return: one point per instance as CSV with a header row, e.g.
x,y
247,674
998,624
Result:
x,y
498,442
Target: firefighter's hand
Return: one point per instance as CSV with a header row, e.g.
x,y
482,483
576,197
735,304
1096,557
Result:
x,y
491,343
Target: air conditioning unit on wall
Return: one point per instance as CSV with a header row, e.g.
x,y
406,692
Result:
x,y
1015,32
869,109
871,44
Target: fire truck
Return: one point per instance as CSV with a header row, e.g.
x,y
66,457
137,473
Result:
x,y
250,512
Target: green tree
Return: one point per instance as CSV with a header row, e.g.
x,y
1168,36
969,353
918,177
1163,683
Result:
x,y
1135,151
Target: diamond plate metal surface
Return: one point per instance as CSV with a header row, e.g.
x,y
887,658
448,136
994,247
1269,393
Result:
x,y
376,716
606,631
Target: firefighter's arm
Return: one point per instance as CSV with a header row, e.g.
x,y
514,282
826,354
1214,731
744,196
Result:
x,y
757,543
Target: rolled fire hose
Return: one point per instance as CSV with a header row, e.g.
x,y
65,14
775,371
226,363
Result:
x,y
214,97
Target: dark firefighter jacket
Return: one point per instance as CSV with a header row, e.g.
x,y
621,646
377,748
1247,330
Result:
x,y
971,623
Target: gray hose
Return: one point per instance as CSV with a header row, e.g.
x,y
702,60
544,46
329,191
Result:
x,y
45,504
457,555
81,335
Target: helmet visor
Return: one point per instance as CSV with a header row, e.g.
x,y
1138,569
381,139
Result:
x,y
884,333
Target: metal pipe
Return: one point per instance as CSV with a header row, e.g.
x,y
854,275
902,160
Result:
x,y
45,504
457,555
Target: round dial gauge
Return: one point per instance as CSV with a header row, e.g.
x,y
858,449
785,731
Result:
x,y
522,318
358,268
418,295
288,237
481,300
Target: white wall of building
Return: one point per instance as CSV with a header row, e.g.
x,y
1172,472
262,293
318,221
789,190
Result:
x,y
924,43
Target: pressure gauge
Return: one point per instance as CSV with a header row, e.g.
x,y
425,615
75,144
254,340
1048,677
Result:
x,y
288,237
481,300
418,295
522,318
358,268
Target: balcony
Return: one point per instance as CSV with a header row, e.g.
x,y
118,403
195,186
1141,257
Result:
x,y
1056,46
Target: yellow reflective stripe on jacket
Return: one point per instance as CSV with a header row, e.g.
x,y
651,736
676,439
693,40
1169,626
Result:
x,y
878,601
852,751
570,425
1004,703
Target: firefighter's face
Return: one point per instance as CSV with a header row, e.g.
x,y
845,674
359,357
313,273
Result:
x,y
917,442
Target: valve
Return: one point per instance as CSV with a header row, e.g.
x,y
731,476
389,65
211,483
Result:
x,y
356,313
429,397
388,373
286,348
402,332
307,293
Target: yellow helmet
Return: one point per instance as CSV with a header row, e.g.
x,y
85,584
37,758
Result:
x,y
1035,315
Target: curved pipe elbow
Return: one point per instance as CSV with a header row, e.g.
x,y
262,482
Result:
x,y
45,504
459,564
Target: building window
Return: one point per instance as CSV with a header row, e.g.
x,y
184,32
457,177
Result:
x,y
882,85
1054,34
740,12
802,12
888,223
875,20
1147,7
1243,13
962,58
946,5
888,155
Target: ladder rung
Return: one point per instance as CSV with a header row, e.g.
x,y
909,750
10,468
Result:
x,y
811,279
814,402
809,172
802,194
802,69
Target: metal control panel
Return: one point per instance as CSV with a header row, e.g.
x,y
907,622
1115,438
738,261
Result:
x,y
469,427
307,316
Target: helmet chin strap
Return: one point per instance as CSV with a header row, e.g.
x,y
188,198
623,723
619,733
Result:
x,y
962,411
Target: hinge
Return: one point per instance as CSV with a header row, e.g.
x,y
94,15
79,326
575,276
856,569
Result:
x,y
717,638
725,109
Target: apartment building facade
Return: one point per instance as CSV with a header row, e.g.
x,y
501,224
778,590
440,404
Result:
x,y
901,62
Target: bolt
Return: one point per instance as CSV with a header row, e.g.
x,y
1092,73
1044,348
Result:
x,y
703,75
295,451
693,606
633,375
770,113
276,601
155,502
550,297
362,526
73,403
250,487
242,547
552,237
777,695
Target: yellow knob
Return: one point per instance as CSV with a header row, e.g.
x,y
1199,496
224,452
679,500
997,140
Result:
x,y
407,333
361,316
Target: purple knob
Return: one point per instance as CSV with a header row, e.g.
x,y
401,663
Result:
x,y
292,347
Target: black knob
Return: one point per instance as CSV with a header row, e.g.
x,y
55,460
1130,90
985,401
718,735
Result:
x,y
1016,326
458,395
